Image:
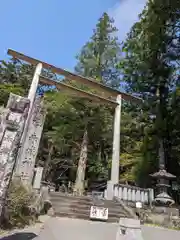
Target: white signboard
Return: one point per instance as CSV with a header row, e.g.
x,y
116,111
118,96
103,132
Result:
x,y
138,205
99,213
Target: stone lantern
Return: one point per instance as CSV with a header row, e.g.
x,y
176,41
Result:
x,y
163,181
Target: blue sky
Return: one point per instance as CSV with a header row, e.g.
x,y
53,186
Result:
x,y
54,31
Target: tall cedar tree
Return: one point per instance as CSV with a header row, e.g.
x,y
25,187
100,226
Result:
x,y
150,70
98,59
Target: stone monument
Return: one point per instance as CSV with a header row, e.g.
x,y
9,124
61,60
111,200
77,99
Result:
x,y
28,153
12,126
21,124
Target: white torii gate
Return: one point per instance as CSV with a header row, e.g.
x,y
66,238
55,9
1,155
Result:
x,y
110,96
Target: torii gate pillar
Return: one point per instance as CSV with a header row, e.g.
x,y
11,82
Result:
x,y
114,179
116,143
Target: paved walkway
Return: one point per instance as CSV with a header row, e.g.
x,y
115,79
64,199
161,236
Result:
x,y
156,233
28,233
75,229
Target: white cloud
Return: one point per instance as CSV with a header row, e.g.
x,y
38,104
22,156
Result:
x,y
125,14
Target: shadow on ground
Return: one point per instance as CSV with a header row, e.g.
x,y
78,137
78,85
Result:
x,y
20,236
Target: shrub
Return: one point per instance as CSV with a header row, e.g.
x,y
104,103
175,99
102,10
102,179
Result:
x,y
19,202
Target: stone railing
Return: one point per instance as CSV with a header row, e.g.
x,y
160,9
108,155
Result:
x,y
133,194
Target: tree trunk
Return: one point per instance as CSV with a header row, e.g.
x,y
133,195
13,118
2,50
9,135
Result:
x,y
80,175
47,162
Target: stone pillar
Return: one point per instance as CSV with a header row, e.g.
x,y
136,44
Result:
x,y
29,151
34,84
13,127
116,143
37,178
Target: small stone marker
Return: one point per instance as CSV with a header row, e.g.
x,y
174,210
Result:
x,y
38,178
129,229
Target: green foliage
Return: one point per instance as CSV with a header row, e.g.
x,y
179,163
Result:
x,y
5,89
151,68
15,72
19,201
100,55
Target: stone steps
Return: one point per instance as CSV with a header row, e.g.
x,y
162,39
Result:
x,y
79,206
86,210
86,207
111,219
